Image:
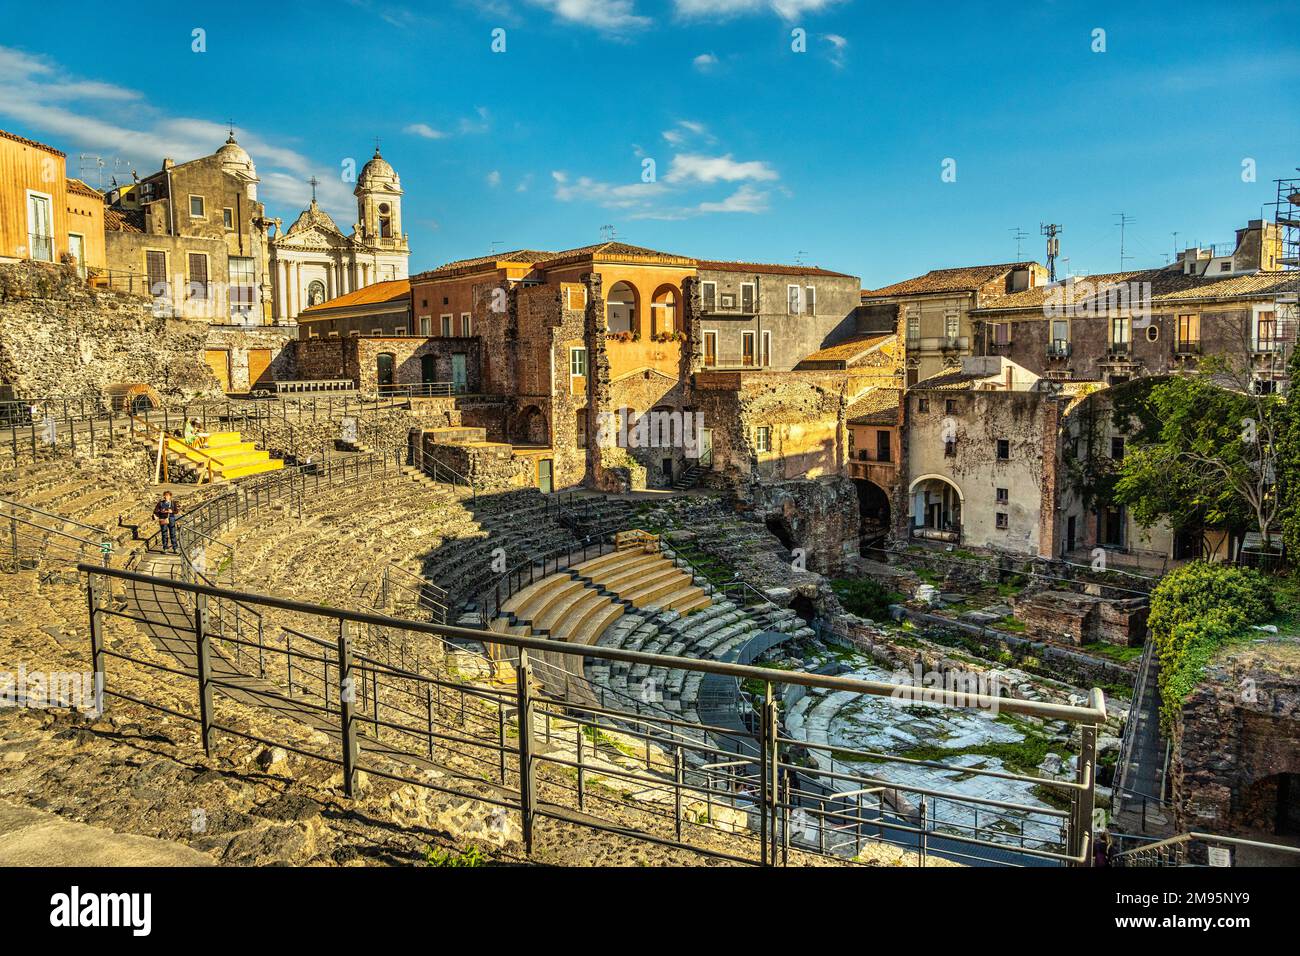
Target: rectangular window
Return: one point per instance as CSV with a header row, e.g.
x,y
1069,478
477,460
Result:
x,y
767,349
1266,332
1003,496
883,452
1189,333
228,218
747,348
198,288
446,326
810,301
1004,449
763,438
155,265
950,406
1117,448
709,296
1002,521
1001,333
794,294
710,348
196,207
426,325
913,328
376,332
580,427
466,324
952,325
243,287
1120,330
578,361
77,249
747,298
40,227
922,404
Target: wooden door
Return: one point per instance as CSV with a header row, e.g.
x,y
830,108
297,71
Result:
x,y
259,367
219,361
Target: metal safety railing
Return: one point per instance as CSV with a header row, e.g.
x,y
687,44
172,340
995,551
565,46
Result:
x,y
754,804
38,535
1201,849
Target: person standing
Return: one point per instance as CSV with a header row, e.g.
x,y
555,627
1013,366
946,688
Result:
x,y
165,512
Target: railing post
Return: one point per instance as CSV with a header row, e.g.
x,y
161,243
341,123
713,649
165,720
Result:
x,y
582,770
925,836
96,636
347,698
1085,797
767,742
527,781
204,668
679,778
428,709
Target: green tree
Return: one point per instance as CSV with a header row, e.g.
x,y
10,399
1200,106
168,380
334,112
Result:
x,y
1207,449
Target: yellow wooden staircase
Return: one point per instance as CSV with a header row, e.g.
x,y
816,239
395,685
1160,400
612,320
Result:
x,y
226,456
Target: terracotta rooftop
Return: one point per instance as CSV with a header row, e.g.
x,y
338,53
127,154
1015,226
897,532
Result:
x,y
77,186
31,142
879,406
964,279
392,290
123,220
953,379
851,349
1167,285
764,268
538,257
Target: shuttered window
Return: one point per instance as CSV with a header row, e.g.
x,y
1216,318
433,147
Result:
x,y
198,276
156,267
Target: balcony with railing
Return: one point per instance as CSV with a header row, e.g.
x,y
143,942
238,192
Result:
x,y
1058,349
1187,347
878,471
938,343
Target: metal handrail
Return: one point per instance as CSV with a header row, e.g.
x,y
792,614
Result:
x,y
1182,840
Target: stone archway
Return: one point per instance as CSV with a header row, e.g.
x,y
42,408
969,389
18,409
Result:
x,y
530,427
936,506
874,511
664,310
621,308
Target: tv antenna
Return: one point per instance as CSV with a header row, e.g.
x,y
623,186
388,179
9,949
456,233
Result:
x,y
1124,222
608,233
1020,235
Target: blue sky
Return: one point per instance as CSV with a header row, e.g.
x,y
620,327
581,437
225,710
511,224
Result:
x,y
832,155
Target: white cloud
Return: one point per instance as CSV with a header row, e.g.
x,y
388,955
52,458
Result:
x,y
839,49
724,9
745,199
524,183
70,110
424,130
493,178
705,62
611,16
693,167
684,130
625,196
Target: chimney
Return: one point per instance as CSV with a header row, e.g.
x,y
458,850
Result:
x,y
168,163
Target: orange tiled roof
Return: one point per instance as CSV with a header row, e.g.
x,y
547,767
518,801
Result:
x,y
764,268
77,186
879,406
391,290
123,220
31,142
963,279
1167,285
849,350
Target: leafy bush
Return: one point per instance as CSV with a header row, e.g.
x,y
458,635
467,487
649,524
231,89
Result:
x,y
436,856
1195,610
865,597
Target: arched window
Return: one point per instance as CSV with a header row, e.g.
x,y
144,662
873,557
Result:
x,y
315,292
620,308
384,370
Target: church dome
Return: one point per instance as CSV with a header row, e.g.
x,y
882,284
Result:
x,y
378,174
235,159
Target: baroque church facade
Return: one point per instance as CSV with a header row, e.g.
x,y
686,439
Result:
x,y
314,261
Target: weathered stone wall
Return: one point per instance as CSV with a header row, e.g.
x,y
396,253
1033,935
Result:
x,y
1238,732
239,340
490,467
58,337
821,517
355,358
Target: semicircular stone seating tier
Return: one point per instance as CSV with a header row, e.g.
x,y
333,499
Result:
x,y
648,602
